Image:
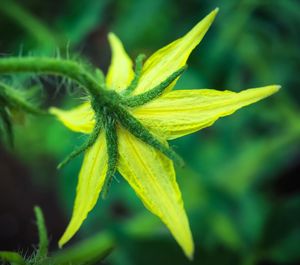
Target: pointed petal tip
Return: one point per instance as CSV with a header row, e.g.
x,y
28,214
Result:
x,y
190,255
277,87
55,112
213,13
52,110
111,36
273,88
66,237
208,19
113,39
60,244
63,240
188,248
216,10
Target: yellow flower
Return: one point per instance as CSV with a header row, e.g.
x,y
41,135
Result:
x,y
167,115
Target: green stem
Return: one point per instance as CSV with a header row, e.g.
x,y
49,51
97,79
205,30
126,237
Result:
x,y
60,67
43,238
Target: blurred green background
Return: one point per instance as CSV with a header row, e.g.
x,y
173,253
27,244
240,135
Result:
x,y
240,183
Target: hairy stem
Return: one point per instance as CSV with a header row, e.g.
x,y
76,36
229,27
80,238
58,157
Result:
x,y
138,72
60,67
155,92
136,128
86,145
43,238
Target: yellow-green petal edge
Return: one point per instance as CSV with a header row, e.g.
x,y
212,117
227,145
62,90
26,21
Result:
x,y
79,119
153,180
182,112
120,72
170,58
91,180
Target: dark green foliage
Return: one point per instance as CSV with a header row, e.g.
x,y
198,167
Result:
x,y
90,251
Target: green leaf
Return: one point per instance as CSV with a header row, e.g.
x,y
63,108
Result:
x,y
81,19
282,237
12,257
89,251
225,230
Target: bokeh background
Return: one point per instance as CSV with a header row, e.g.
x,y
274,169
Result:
x,y
240,184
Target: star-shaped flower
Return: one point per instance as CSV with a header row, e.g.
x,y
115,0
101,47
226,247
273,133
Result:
x,y
130,134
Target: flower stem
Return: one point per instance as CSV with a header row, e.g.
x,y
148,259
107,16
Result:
x,y
53,66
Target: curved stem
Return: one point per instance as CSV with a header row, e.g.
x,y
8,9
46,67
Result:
x,y
60,67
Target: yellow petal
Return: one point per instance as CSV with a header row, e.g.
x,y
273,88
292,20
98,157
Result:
x,y
152,177
91,180
170,58
120,72
182,112
79,119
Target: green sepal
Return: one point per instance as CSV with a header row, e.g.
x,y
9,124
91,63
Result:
x,y
136,128
138,72
100,78
112,151
155,92
87,144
